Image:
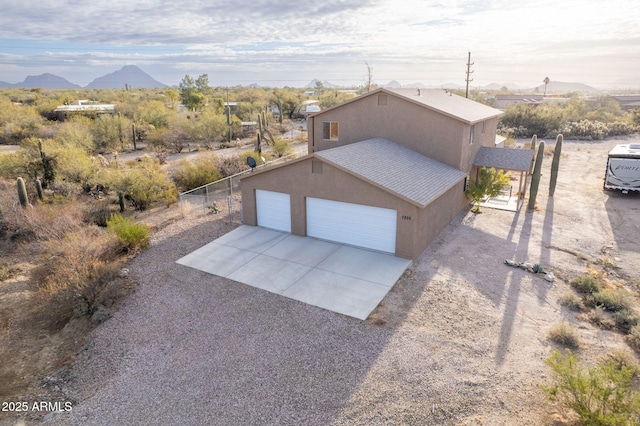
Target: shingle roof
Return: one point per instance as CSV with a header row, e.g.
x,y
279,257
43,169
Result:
x,y
449,104
409,175
504,158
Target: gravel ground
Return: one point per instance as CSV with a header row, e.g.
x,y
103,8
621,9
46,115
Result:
x,y
460,340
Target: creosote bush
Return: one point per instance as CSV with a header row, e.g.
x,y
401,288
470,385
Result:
x,y
633,338
132,236
612,301
200,172
571,301
564,334
586,284
601,395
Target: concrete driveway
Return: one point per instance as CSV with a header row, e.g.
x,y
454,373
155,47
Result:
x,y
333,276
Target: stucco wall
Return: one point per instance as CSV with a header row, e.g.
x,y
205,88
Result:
x,y
428,132
415,227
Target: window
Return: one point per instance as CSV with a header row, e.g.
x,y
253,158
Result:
x,y
330,130
473,129
484,125
382,99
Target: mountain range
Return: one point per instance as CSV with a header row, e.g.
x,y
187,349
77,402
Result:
x,y
133,77
128,76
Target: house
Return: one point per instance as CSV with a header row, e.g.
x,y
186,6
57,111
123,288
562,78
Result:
x,y
386,171
503,101
83,107
627,102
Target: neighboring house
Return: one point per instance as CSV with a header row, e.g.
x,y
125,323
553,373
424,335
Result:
x,y
628,102
503,101
386,171
83,107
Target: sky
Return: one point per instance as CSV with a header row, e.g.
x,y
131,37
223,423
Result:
x,y
288,43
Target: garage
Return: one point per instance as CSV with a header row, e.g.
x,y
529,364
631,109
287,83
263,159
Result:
x,y
273,210
354,224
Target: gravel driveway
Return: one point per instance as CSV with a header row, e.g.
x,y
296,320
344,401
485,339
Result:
x,y
460,340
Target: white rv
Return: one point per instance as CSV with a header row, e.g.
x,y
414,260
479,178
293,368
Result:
x,y
623,168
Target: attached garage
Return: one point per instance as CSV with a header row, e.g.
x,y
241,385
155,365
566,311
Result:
x,y
354,224
274,210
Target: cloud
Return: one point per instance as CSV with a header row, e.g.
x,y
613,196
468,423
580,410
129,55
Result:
x,y
280,40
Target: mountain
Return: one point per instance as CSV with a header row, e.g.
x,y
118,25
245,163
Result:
x,y
129,75
313,84
46,81
562,87
393,85
5,85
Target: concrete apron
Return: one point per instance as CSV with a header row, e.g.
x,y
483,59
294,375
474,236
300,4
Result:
x,y
332,276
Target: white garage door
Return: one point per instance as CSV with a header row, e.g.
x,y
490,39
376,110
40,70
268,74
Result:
x,y
353,224
274,210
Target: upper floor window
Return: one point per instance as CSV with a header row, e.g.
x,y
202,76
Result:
x,y
382,99
330,130
473,129
484,126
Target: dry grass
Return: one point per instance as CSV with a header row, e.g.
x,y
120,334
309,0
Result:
x,y
622,358
565,335
572,301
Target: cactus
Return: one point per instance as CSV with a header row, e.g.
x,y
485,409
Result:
x,y
534,140
133,130
535,178
39,190
121,201
555,163
258,147
22,193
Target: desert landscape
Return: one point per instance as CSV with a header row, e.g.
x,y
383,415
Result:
x,y
460,340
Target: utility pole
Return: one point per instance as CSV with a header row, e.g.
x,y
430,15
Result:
x,y
469,72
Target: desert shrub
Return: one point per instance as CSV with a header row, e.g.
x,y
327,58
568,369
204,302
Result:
x,y
585,284
143,182
200,172
623,357
601,395
47,222
564,334
625,319
98,212
600,318
571,301
75,276
6,270
131,236
612,301
633,338
281,148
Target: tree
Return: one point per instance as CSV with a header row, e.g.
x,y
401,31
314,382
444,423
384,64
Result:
x,y
285,100
187,86
202,84
369,80
172,96
545,81
489,184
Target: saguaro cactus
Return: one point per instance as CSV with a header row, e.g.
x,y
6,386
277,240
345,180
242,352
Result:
x,y
22,193
534,140
555,164
121,201
535,178
39,190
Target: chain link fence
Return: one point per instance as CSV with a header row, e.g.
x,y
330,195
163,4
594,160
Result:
x,y
222,196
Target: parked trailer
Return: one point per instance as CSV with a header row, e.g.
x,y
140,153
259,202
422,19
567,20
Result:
x,y
623,168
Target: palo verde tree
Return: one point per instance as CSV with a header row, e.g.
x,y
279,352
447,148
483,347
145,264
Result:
x,y
489,184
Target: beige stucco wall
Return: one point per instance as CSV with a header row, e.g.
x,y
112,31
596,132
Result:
x,y
428,132
416,227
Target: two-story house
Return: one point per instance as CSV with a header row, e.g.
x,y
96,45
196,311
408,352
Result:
x,y
385,171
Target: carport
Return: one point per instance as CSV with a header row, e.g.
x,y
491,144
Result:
x,y
333,276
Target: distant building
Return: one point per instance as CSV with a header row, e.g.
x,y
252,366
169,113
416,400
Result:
x,y
503,101
628,102
83,107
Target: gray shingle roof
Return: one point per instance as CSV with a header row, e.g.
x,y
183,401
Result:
x,y
504,158
449,104
409,175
